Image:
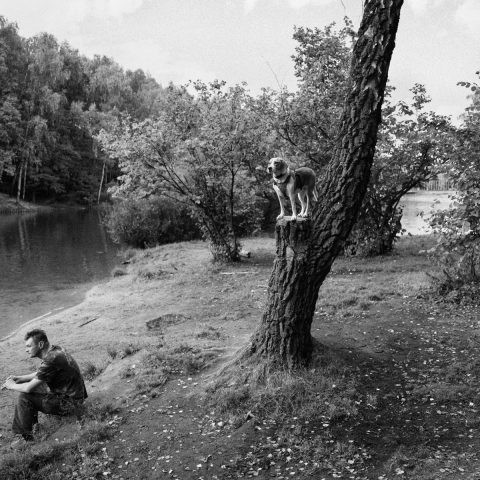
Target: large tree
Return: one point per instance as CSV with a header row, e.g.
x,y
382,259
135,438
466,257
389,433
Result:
x,y
300,267
201,152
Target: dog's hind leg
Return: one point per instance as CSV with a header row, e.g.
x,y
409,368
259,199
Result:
x,y
293,204
303,197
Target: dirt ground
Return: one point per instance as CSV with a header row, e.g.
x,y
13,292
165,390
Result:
x,y
413,358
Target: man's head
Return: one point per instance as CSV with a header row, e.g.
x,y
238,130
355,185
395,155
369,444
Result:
x,y
36,342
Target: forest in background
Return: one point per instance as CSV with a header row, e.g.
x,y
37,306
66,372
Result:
x,y
53,100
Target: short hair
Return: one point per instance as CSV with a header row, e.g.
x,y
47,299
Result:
x,y
38,335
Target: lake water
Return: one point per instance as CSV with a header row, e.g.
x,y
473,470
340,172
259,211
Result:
x,y
48,261
422,202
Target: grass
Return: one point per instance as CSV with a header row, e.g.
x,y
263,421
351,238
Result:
x,y
392,391
91,370
159,365
123,350
77,457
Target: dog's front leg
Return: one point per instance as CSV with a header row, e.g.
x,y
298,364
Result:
x,y
291,195
281,200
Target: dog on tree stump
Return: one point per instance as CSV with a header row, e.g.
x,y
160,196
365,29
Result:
x,y
293,183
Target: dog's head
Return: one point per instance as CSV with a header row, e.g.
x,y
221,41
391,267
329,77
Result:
x,y
277,166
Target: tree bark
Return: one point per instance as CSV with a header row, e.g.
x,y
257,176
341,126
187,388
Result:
x,y
306,250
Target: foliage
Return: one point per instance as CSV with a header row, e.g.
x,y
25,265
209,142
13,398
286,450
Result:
x,y
306,121
52,102
458,249
413,143
201,152
147,222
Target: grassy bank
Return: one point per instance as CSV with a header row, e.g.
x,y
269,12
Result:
x,y
392,391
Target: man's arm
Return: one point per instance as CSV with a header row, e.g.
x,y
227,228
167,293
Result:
x,y
25,387
23,378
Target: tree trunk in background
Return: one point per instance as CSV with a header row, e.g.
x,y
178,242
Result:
x,y
101,181
25,169
307,249
19,181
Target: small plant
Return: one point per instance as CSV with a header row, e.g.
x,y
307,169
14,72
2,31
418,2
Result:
x,y
112,352
209,333
183,359
129,349
118,272
91,370
123,350
147,273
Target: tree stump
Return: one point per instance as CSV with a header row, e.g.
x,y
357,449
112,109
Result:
x,y
292,237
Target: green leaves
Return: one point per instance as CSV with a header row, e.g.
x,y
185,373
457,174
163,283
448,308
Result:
x,y
202,151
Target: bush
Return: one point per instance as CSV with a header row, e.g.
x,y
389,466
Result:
x,y
148,222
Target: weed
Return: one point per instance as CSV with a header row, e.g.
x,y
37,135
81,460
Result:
x,y
118,272
349,302
129,254
128,372
150,383
91,370
123,350
364,306
209,333
112,352
183,359
101,411
148,273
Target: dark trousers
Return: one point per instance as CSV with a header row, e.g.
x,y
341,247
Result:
x,y
29,404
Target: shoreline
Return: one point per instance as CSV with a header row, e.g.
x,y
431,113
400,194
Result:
x,y
60,325
24,324
40,304
113,315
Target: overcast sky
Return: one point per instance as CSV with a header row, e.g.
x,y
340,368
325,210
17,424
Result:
x,y
438,42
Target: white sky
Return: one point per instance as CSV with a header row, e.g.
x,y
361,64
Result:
x,y
438,42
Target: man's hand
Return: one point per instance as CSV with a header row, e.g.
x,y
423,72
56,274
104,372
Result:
x,y
9,383
4,384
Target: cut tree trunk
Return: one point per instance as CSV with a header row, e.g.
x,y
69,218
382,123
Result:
x,y
306,250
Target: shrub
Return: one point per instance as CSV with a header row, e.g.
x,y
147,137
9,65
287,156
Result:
x,y
91,370
148,222
458,248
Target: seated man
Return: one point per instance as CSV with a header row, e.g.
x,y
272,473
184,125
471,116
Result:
x,y
59,372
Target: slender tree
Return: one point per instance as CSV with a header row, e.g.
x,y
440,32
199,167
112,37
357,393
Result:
x,y
301,265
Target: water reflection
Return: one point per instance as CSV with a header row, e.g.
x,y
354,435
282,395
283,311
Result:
x,y
48,260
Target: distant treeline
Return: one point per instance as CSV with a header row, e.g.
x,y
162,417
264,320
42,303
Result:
x,y
53,100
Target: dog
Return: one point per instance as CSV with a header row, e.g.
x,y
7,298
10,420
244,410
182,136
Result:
x,y
287,183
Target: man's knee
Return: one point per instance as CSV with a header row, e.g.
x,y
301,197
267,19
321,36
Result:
x,y
24,400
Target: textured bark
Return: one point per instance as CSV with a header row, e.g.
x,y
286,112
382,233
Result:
x,y
306,250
